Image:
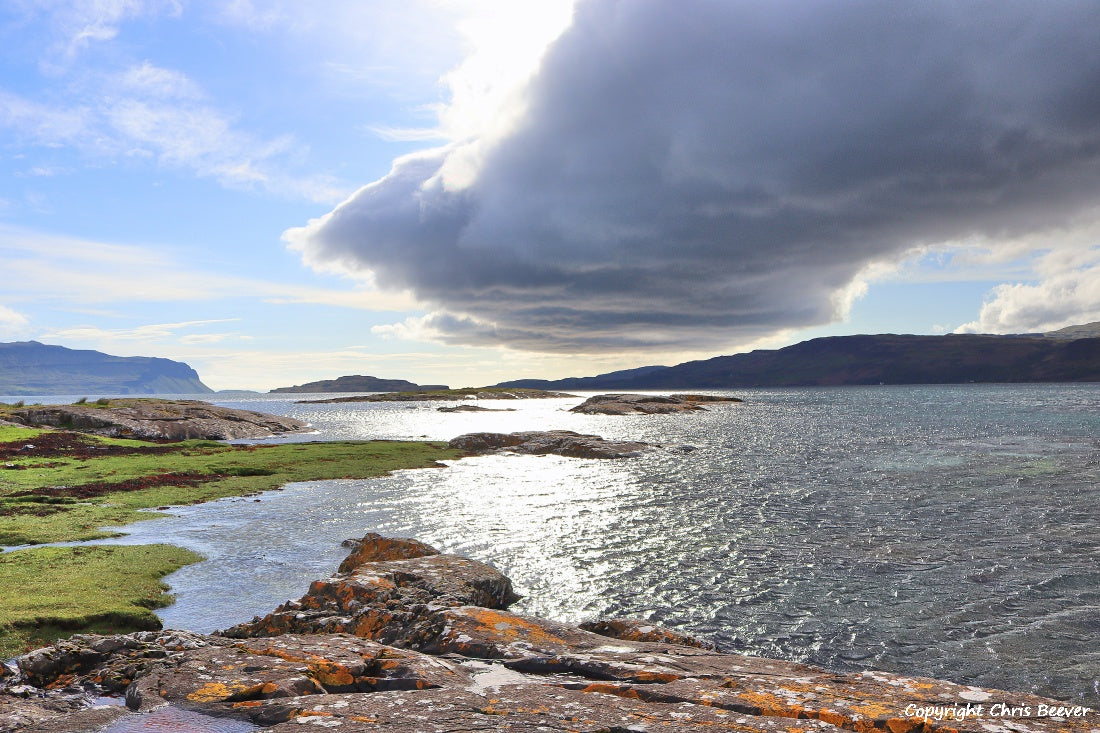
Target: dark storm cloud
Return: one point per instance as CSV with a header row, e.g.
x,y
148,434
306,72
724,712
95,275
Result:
x,y
698,173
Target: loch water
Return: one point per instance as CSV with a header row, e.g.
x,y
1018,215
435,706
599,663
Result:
x,y
944,531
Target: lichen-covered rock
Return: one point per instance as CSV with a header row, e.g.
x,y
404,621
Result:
x,y
397,598
459,661
112,661
376,548
646,404
559,442
154,419
634,630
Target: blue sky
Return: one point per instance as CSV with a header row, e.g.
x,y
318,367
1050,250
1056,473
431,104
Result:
x,y
464,192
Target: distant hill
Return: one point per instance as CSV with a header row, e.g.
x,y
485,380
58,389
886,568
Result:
x,y
31,368
357,383
882,359
1088,330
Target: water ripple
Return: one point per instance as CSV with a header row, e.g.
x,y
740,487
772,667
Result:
x,y
944,531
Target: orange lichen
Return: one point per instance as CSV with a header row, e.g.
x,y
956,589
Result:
x,y
616,690
832,718
247,704
506,627
331,674
62,681
273,651
912,725
771,705
644,676
215,692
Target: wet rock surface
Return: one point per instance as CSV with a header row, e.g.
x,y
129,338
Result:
x,y
405,638
152,419
634,630
647,404
557,442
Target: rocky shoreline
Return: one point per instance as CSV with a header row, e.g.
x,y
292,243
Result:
x,y
404,638
155,419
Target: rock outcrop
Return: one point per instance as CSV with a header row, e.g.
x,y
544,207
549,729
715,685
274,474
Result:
x,y
558,442
465,393
153,419
407,639
473,408
647,404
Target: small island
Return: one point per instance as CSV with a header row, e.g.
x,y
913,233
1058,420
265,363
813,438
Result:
x,y
472,408
647,404
544,442
358,383
464,393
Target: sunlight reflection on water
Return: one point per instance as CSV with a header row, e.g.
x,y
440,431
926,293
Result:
x,y
941,531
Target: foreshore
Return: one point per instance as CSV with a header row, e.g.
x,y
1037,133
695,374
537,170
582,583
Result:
x,y
59,486
403,638
987,712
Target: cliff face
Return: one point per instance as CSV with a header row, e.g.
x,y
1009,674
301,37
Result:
x,y
31,368
405,639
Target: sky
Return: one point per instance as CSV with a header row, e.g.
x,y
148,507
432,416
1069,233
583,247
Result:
x,y
469,191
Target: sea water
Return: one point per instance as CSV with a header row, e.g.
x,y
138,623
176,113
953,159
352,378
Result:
x,y
944,531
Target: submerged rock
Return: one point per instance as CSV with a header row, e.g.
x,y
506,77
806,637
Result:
x,y
647,404
154,419
473,408
559,442
408,639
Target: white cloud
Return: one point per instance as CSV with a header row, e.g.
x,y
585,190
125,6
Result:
x,y
709,174
12,323
1067,294
71,271
161,114
76,25
156,82
148,333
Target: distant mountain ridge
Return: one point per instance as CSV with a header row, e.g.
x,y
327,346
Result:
x,y
33,368
879,359
357,383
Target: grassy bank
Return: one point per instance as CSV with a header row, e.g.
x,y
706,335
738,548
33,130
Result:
x,y
52,592
58,486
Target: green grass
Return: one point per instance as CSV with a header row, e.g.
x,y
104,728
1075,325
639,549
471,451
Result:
x,y
31,512
48,593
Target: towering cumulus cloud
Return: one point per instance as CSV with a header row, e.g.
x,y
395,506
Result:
x,y
701,173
